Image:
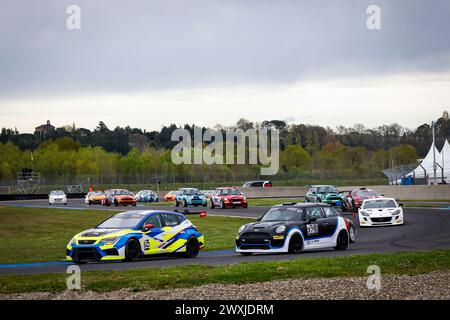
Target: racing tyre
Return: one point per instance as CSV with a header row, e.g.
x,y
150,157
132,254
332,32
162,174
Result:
x,y
352,234
342,240
295,243
184,203
90,202
222,205
176,203
116,203
192,248
212,204
132,250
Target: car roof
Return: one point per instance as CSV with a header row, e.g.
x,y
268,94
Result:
x,y
145,213
322,185
381,198
302,204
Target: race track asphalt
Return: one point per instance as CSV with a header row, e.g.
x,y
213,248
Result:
x,y
424,229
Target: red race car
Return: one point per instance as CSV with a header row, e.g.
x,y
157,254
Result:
x,y
228,197
355,198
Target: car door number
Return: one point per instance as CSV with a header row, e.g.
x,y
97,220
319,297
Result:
x,y
312,229
146,245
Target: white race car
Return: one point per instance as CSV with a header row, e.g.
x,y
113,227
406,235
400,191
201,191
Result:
x,y
57,197
380,212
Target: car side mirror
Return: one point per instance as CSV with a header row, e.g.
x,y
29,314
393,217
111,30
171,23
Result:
x,y
259,219
312,219
148,226
313,192
400,204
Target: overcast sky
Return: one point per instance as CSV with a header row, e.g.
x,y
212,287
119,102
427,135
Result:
x,y
150,63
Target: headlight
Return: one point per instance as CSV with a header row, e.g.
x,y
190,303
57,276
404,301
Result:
x,y
396,212
280,229
364,213
241,228
110,240
225,199
72,242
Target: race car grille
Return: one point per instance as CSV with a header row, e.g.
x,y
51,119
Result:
x,y
86,254
255,238
111,252
257,235
86,241
386,219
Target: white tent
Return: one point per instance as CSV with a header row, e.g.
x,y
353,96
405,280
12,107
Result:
x,y
442,159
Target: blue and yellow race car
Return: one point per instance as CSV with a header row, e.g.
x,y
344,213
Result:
x,y
131,235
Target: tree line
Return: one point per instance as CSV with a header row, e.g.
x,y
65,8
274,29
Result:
x,y
306,151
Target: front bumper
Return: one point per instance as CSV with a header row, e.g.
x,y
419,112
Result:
x,y
57,201
263,242
236,204
373,220
196,202
93,253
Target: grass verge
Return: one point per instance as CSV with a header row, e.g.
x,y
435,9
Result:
x,y
39,234
195,275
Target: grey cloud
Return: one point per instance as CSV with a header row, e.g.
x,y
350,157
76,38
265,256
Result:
x,y
129,46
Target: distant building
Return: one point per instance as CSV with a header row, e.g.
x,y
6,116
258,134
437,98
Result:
x,y
44,130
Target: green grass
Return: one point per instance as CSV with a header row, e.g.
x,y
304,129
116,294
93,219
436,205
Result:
x,y
38,234
195,275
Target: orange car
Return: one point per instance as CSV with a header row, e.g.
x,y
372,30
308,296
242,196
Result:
x,y
95,197
170,197
119,197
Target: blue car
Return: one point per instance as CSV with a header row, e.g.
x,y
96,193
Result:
x,y
190,197
146,196
133,235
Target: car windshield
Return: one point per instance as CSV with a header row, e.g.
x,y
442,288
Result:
x,y
121,221
57,193
191,192
379,204
283,214
230,192
367,193
121,193
143,192
97,194
323,190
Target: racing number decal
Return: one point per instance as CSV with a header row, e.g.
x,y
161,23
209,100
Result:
x,y
312,229
146,245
